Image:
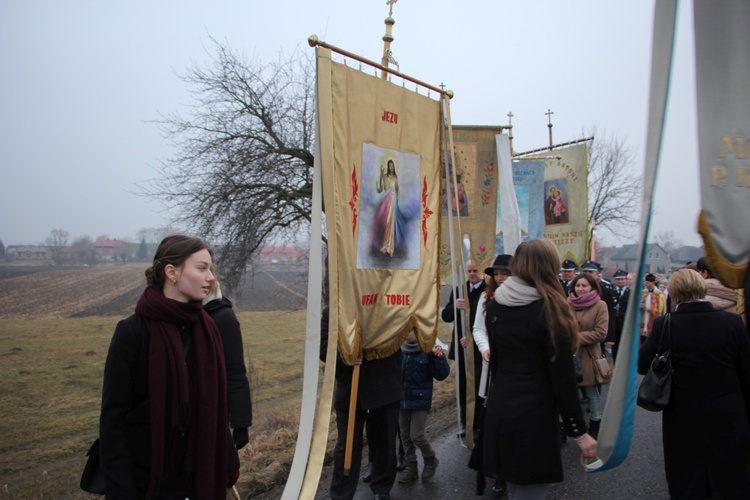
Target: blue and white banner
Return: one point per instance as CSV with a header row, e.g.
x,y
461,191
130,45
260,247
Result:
x,y
528,184
616,433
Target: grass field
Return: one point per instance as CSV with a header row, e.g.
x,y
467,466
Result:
x,y
50,390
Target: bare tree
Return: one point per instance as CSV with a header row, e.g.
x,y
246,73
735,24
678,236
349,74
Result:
x,y
243,168
56,241
83,250
668,241
615,188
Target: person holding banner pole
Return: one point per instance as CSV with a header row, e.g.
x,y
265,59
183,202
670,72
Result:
x,y
450,314
533,337
378,396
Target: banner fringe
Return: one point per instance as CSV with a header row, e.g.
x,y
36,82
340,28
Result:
x,y
731,275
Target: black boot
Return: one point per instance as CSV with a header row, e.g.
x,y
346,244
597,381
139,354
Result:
x,y
498,489
594,428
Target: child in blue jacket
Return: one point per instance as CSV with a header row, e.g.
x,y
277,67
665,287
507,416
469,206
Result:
x,y
418,369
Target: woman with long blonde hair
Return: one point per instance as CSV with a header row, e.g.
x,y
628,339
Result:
x,y
533,336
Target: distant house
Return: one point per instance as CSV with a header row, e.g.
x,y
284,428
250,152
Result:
x,y
111,250
657,259
28,253
282,256
684,255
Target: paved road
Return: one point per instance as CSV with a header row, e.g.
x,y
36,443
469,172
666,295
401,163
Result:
x,y
640,476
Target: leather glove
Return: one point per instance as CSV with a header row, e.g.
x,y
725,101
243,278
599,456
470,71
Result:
x,y
232,478
240,437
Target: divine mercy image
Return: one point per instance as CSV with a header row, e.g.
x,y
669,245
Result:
x,y
389,210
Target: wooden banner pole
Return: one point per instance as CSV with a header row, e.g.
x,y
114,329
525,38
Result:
x,y
352,418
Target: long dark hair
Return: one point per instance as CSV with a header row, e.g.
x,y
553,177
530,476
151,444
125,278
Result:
x,y
536,262
388,168
174,249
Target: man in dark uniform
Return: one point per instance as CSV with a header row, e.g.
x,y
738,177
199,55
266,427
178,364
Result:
x,y
620,298
378,399
567,273
475,287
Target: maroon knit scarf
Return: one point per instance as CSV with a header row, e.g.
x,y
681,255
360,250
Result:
x,y
584,301
197,406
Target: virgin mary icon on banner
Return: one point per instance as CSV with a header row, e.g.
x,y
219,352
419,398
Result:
x,y
389,210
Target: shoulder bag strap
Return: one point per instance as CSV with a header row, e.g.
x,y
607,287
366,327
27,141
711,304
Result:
x,y
666,328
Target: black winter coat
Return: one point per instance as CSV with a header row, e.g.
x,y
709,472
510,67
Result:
x,y
449,317
418,369
707,428
238,387
124,424
380,380
529,390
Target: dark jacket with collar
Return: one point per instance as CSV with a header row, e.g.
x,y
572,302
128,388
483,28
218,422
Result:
x,y
707,428
449,317
419,368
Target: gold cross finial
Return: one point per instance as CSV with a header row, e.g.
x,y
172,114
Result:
x,y
390,4
510,117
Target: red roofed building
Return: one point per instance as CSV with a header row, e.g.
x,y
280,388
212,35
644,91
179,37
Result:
x,y
282,256
111,250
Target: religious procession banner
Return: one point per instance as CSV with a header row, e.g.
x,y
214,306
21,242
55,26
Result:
x,y
722,53
565,204
473,199
381,165
528,184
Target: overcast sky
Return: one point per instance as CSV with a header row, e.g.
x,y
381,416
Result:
x,y
82,79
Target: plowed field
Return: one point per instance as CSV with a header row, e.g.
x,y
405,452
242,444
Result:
x,y
70,292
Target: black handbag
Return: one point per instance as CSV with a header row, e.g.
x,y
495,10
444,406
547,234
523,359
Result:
x,y
92,479
655,391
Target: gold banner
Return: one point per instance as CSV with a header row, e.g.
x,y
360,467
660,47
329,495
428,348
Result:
x,y
381,174
566,205
474,200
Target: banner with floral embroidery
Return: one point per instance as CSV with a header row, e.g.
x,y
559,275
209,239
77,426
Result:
x,y
473,201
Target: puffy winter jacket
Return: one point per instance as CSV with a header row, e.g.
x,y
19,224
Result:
x,y
418,369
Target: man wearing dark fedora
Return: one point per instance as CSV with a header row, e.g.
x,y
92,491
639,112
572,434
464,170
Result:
x,y
475,286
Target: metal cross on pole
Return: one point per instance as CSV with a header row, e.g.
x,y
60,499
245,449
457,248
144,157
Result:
x,y
549,114
510,131
387,39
